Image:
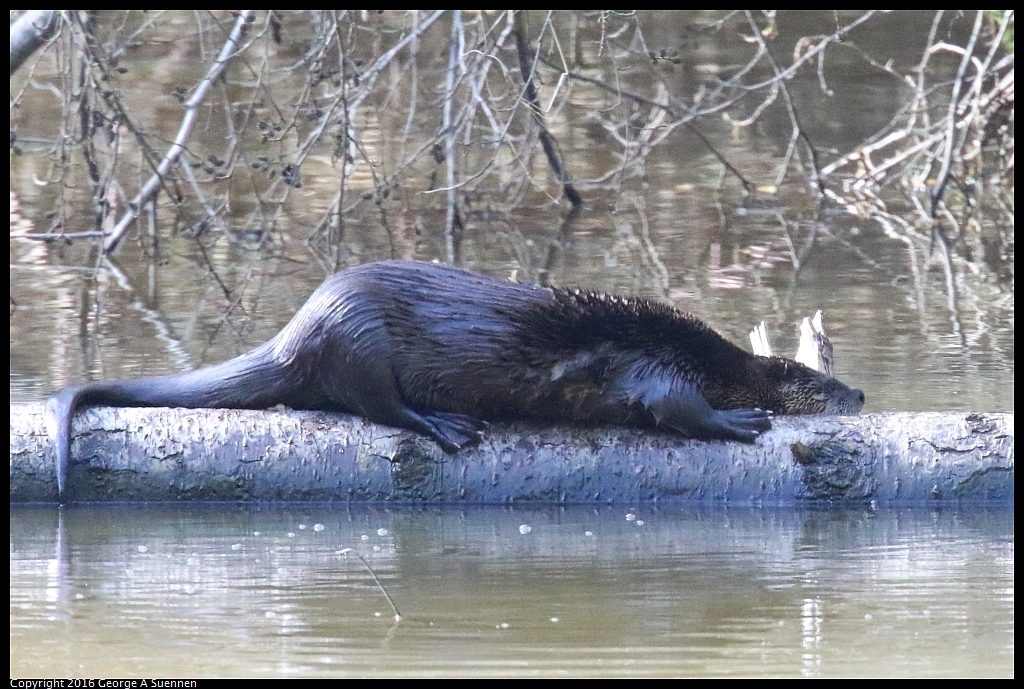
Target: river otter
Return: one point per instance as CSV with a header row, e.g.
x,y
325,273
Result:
x,y
439,350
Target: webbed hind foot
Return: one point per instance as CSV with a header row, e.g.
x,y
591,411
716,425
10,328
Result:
x,y
450,430
454,431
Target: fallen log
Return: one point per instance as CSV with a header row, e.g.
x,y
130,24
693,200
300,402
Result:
x,y
135,454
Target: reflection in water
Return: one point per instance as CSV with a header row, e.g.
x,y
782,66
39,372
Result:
x,y
810,614
256,591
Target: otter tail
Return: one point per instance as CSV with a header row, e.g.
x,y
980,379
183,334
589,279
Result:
x,y
256,380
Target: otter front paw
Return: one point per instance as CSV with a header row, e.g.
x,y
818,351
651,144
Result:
x,y
743,425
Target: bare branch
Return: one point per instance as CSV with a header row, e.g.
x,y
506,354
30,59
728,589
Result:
x,y
527,65
153,185
30,32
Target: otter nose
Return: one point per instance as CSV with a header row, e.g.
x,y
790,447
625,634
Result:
x,y
857,395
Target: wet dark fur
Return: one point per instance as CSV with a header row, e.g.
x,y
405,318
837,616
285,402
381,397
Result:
x,y
437,350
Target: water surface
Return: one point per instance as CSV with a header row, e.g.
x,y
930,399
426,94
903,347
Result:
x,y
250,591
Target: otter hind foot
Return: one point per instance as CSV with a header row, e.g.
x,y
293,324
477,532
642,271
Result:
x,y
450,430
454,431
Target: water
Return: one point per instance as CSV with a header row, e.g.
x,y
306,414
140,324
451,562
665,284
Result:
x,y
265,591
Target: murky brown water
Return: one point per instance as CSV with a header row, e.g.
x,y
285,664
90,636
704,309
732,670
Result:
x,y
172,592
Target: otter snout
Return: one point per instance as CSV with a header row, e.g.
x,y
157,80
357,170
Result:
x,y
849,403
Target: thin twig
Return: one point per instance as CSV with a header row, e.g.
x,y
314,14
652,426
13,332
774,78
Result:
x,y
154,183
373,575
951,119
527,66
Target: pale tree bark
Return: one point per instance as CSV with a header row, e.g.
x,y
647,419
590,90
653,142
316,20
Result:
x,y
221,454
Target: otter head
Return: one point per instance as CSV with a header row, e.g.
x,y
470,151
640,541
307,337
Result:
x,y
792,388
